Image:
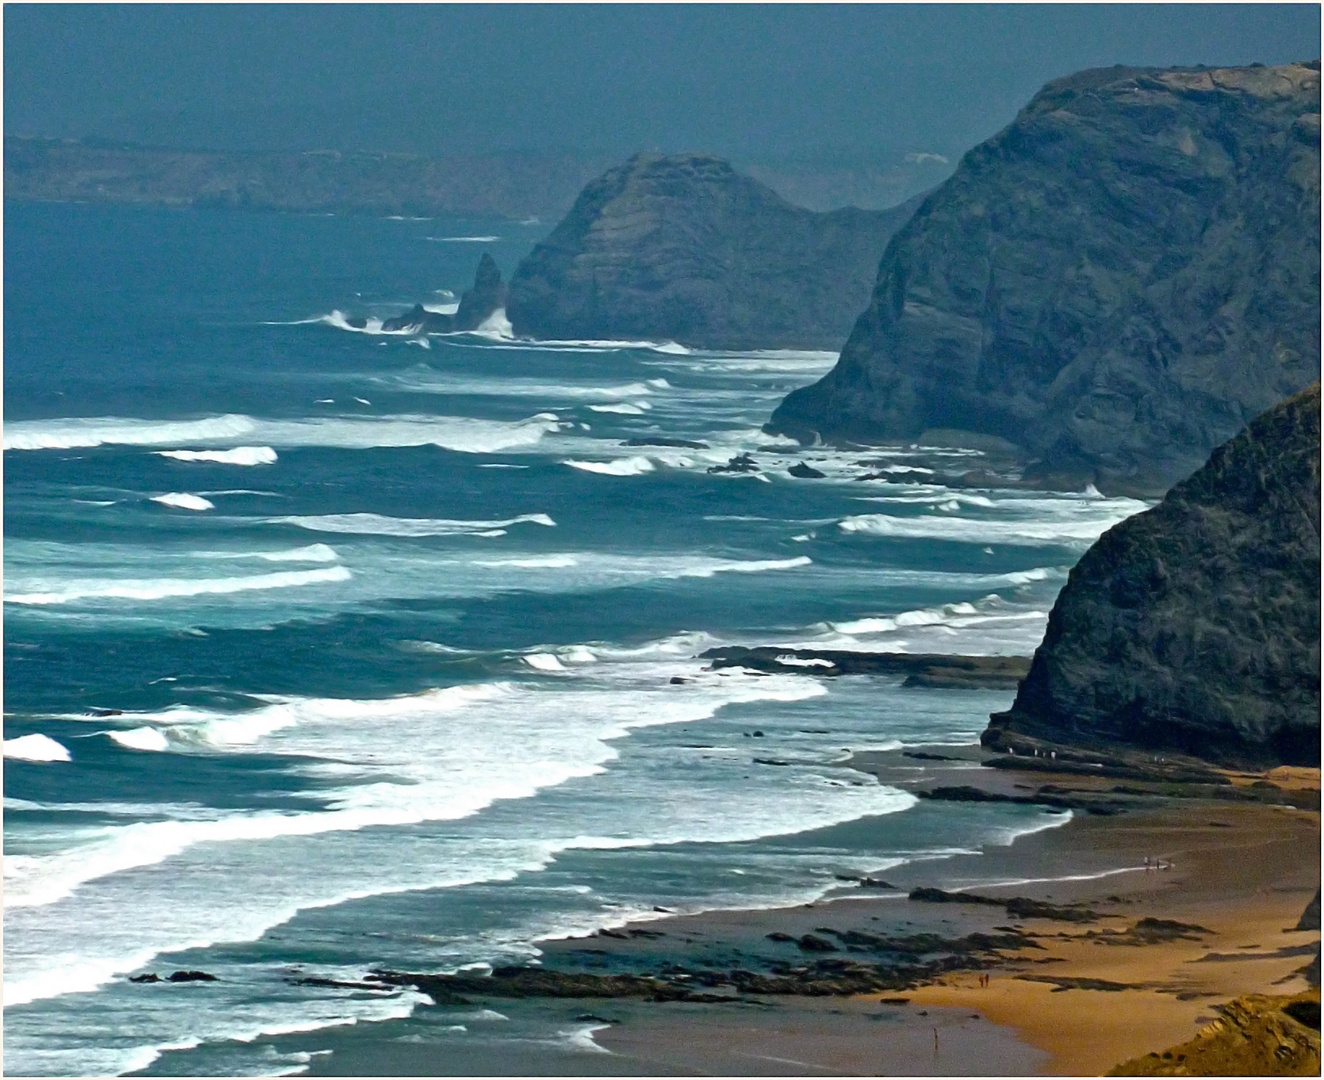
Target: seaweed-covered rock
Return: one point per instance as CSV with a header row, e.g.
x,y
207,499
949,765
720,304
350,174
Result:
x,y
1194,627
1116,283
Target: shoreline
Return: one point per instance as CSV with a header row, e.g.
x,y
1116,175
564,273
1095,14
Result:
x,y
1078,984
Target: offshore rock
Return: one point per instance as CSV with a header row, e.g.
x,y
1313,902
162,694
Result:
x,y
1116,283
477,305
686,249
1194,627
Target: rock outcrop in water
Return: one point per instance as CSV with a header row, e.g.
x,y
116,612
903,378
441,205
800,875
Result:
x,y
477,305
1117,282
1194,627
686,249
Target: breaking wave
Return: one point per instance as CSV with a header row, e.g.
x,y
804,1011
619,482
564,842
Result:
x,y
381,525
168,588
240,455
458,433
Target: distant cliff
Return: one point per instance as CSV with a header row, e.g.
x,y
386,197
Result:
x,y
687,249
1116,282
1194,627
501,185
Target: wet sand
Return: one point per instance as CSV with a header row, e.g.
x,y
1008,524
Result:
x,y
1243,872
1238,875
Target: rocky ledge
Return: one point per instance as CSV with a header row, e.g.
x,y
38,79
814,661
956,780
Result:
x,y
1194,628
933,670
1116,283
686,249
477,305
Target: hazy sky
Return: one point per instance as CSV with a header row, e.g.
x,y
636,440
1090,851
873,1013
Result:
x,y
751,81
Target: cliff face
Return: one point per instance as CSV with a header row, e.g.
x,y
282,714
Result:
x,y
685,248
1116,282
1195,626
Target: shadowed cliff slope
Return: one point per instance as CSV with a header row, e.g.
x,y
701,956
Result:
x,y
1194,626
1116,282
687,249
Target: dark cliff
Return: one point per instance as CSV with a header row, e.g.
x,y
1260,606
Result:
x,y
1117,282
687,249
1194,626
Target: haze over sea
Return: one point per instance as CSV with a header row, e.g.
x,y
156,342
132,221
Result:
x,y
329,649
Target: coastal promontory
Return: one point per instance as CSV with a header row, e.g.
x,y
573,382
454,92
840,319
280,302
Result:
x,y
1115,283
1194,627
685,248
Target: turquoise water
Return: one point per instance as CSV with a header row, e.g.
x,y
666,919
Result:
x,y
328,649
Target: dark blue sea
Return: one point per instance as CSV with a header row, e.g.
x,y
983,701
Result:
x,y
328,649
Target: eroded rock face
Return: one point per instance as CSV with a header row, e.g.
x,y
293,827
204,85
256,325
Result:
x,y
1116,283
684,248
1194,627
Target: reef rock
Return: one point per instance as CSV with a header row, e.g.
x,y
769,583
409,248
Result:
x,y
477,305
1116,283
1194,627
686,249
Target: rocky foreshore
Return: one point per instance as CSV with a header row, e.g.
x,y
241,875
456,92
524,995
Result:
x,y
934,670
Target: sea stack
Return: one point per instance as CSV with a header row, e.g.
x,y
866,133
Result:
x,y
477,305
1116,283
1194,627
684,248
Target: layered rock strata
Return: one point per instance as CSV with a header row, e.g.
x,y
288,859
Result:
x,y
1116,283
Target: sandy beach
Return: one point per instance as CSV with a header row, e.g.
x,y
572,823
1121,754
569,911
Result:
x,y
1242,873
1127,961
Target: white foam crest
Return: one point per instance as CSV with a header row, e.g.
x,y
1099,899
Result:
x,y
141,738
606,570
181,500
168,588
543,662
321,553
381,525
1078,532
464,239
532,562
920,617
631,466
496,326
460,434
624,408
240,455
581,1039
37,747
425,380
77,433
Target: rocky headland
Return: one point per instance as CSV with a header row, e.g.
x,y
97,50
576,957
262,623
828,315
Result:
x,y
1115,283
510,185
685,248
1194,628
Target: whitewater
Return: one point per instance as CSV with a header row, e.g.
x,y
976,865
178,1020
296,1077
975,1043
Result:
x,y
430,690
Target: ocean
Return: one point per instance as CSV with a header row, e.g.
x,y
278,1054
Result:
x,y
329,649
